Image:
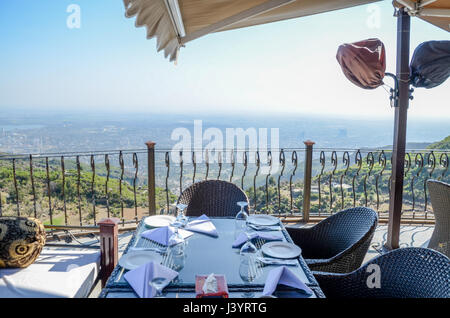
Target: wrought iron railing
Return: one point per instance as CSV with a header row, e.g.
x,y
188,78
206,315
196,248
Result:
x,y
79,189
64,188
363,177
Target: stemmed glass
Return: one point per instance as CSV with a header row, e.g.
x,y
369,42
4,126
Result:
x,y
176,244
158,284
248,266
181,219
248,249
241,218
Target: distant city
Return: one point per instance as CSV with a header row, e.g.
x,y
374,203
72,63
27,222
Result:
x,y
43,132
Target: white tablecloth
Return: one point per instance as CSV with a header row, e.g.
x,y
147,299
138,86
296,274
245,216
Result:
x,y
58,272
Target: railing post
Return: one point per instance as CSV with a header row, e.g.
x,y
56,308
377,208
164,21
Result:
x,y
151,177
109,247
307,176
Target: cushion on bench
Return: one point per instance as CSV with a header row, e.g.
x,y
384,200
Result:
x,y
58,272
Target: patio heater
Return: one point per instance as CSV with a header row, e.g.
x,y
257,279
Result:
x,y
363,63
437,13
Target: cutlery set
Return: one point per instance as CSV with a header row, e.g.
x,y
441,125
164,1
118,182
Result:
x,y
264,227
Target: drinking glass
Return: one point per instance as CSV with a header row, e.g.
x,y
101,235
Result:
x,y
241,218
248,249
248,266
181,219
177,243
178,262
247,276
158,284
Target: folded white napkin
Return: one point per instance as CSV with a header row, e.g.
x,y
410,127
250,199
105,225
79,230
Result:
x,y
161,235
140,278
202,224
283,275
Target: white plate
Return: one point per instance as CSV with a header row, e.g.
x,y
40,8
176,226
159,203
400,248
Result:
x,y
263,220
159,220
134,259
281,250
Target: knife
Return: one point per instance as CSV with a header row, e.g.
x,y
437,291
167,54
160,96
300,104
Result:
x,y
276,261
264,228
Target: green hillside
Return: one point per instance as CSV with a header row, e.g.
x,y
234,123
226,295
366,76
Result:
x,y
443,144
90,189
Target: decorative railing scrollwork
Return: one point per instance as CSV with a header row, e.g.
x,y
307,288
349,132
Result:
x,y
334,162
282,160
346,162
294,160
258,165
358,162
269,163
322,163
64,188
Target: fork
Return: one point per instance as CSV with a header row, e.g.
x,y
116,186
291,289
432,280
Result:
x,y
153,249
265,228
275,261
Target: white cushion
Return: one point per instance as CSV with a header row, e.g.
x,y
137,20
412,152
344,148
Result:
x,y
58,272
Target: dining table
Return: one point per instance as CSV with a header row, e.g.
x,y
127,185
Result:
x,y
205,254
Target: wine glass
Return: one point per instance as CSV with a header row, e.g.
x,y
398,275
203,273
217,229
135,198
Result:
x,y
246,276
178,261
248,249
158,284
248,267
181,219
241,218
176,243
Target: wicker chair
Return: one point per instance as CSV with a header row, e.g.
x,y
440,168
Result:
x,y
410,272
339,243
440,200
213,198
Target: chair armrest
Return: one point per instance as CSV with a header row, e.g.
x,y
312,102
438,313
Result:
x,y
316,263
336,264
300,236
307,239
330,283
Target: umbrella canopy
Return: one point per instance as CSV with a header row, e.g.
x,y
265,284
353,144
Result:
x,y
436,12
176,22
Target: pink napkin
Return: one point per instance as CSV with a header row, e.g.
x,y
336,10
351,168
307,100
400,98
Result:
x,y
242,238
140,278
283,275
162,235
202,224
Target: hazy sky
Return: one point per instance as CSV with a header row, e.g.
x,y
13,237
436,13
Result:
x,y
108,64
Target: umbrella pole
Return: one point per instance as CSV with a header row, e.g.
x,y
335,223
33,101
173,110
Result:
x,y
399,145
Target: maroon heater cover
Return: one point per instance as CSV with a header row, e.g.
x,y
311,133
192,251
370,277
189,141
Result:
x,y
430,64
363,62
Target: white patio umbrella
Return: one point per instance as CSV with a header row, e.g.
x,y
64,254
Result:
x,y
177,22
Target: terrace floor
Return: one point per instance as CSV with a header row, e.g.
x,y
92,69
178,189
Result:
x,y
410,236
